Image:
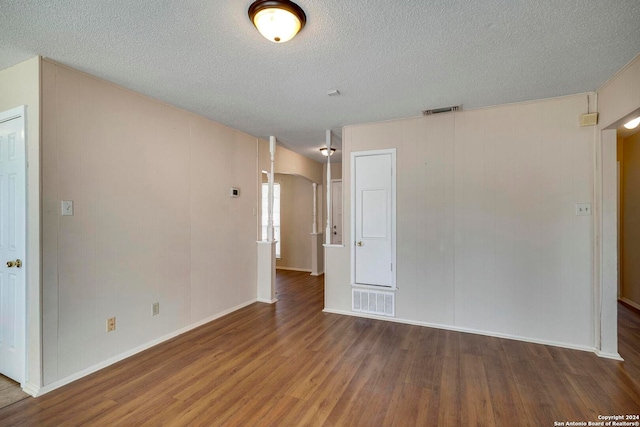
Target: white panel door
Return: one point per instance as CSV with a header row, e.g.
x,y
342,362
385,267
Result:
x,y
373,219
336,212
12,247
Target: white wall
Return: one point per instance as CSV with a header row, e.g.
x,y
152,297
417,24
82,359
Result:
x,y
153,220
487,237
20,85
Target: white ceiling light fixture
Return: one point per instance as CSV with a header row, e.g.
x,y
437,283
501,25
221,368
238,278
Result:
x,y
632,124
277,20
324,151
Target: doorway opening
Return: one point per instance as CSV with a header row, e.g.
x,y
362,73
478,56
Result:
x,y
609,253
294,211
628,171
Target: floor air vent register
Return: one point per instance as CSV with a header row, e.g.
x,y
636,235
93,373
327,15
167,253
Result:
x,y
374,302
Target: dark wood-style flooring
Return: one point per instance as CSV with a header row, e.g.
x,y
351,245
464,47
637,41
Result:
x,y
290,364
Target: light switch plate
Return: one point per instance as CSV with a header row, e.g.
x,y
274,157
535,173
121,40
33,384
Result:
x,y
66,207
583,209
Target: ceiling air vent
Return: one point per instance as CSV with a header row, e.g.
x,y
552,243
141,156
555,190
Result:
x,y
441,110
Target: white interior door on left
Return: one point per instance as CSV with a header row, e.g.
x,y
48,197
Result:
x,y
12,245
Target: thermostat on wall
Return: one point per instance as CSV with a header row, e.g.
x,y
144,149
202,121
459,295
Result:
x,y
234,192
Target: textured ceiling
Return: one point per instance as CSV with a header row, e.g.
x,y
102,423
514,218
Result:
x,y
389,59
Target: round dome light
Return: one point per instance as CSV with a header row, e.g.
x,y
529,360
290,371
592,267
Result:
x,y
277,20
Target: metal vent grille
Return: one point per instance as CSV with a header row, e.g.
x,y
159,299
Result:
x,y
374,302
441,110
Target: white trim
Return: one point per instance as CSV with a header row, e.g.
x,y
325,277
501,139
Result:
x,y
31,389
631,303
614,356
14,113
36,392
266,301
320,273
605,264
352,218
472,331
304,270
380,288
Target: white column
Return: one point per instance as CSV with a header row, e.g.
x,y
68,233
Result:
x,y
266,273
272,153
328,230
314,227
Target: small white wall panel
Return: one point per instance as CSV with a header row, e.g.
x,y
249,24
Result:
x,y
374,213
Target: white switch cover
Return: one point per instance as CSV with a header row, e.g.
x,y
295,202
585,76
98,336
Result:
x,y
67,207
583,209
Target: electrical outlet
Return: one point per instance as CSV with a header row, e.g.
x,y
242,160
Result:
x,y
111,324
583,209
66,207
155,309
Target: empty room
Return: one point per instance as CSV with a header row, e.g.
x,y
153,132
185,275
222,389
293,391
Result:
x,y
291,213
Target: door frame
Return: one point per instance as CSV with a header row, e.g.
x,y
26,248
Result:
x,y
5,116
334,181
352,237
606,249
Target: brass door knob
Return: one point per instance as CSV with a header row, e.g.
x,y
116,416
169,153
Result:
x,y
16,263
360,244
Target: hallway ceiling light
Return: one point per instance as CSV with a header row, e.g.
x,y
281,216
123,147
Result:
x,y
277,20
323,150
632,124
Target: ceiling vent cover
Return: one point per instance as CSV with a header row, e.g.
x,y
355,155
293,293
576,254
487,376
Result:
x,y
374,302
441,110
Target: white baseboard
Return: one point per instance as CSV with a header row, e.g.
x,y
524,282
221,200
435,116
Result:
x,y
320,273
614,356
266,301
631,303
304,270
31,389
35,391
471,331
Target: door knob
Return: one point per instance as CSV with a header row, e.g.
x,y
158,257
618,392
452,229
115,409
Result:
x,y
360,244
16,263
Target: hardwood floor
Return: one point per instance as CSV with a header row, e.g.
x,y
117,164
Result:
x,y
10,392
290,364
